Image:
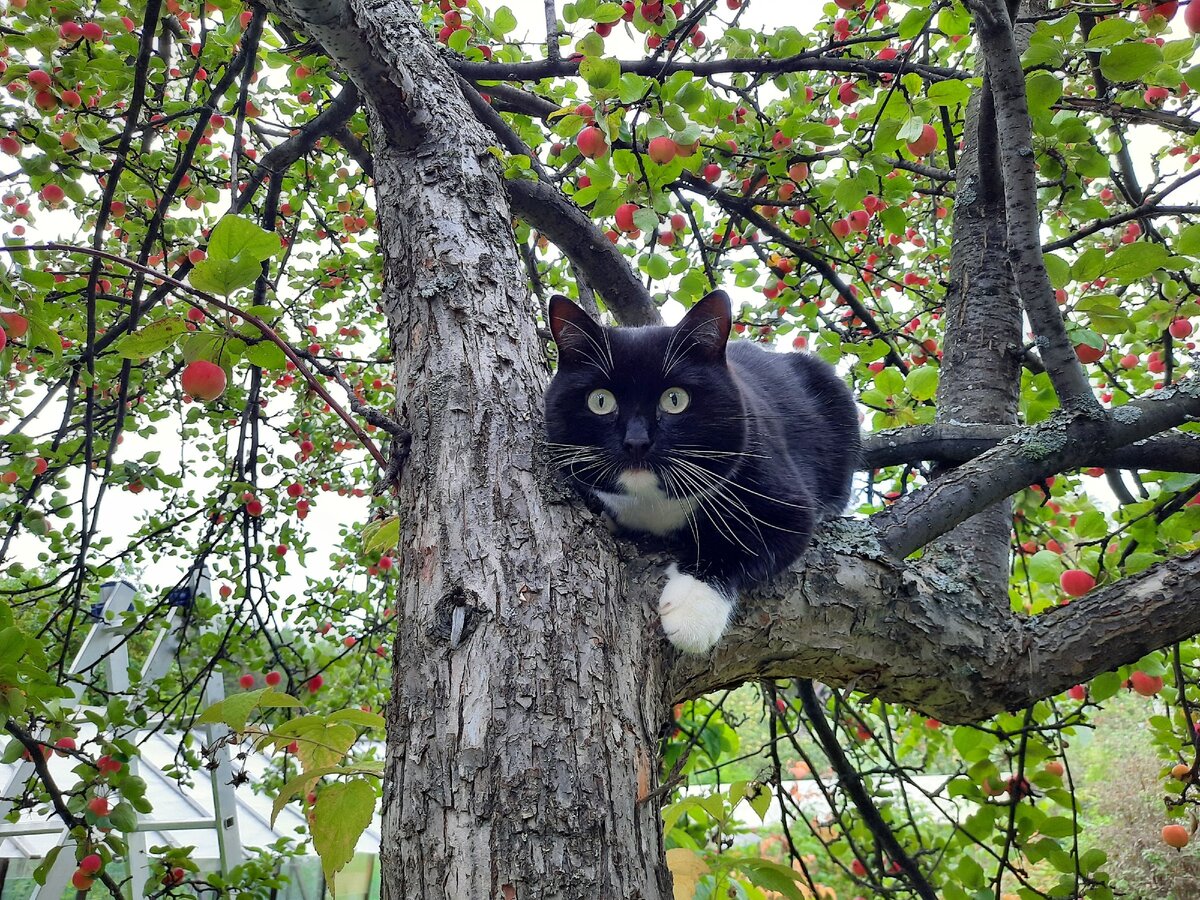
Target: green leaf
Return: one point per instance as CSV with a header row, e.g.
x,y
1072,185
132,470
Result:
x,y
382,535
950,92
772,876
223,277
341,814
1058,269
1044,89
1188,243
503,21
608,12
154,338
123,817
913,23
1129,62
358,717
1126,264
1045,566
304,780
600,72
922,383
43,869
216,348
1104,686
1108,32
266,355
232,711
235,237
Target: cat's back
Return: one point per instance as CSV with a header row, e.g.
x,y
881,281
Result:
x,y
803,414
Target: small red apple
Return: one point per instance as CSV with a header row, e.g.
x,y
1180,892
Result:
x,y
926,143
1076,582
662,150
203,380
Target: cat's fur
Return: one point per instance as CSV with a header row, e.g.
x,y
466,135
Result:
x,y
764,449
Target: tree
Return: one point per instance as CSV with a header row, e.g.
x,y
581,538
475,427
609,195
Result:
x,y
823,167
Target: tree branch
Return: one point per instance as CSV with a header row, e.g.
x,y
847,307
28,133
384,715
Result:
x,y
1014,130
545,208
957,444
926,638
1030,455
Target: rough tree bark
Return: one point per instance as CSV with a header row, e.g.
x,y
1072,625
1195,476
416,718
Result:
x,y
530,679
527,696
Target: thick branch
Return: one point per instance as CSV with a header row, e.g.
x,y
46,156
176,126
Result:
x,y
1029,456
956,444
927,639
1014,130
545,208
755,65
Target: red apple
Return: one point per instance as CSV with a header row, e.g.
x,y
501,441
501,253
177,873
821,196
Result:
x,y
1180,328
1175,835
1076,582
1191,18
624,217
203,380
926,143
1146,685
591,142
662,150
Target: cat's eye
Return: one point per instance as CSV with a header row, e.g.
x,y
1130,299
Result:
x,y
674,400
602,402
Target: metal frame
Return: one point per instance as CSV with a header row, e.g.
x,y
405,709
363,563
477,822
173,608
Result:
x,y
105,645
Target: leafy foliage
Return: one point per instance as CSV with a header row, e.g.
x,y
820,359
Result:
x,y
180,185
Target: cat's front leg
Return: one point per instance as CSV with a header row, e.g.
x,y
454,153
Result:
x,y
694,613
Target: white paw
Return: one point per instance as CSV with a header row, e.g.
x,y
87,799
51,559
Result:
x,y
694,615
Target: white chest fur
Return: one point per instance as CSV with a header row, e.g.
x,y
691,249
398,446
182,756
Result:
x,y
643,506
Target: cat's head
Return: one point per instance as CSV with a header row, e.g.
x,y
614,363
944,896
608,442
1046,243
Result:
x,y
627,402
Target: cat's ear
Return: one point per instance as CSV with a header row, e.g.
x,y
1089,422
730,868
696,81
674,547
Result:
x,y
575,332
706,326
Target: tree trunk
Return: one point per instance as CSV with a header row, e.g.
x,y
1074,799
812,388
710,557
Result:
x,y
526,699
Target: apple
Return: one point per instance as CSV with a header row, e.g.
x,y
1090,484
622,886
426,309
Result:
x,y
1155,96
80,880
1088,354
1055,768
1146,685
847,93
93,31
203,380
802,217
91,864
624,217
315,683
272,679
1076,582
15,324
98,806
52,194
246,681
840,228
859,219
1191,18
662,150
711,172
1175,835
1166,10
1181,772
1180,328
591,142
70,31
38,79
1077,693
926,143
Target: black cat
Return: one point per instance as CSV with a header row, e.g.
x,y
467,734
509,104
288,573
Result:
x,y
732,452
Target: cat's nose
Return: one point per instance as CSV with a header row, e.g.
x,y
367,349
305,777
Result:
x,y
637,440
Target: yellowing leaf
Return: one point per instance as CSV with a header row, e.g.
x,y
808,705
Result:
x,y
341,814
687,868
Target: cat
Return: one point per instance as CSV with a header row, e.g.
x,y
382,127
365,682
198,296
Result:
x,y
731,452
